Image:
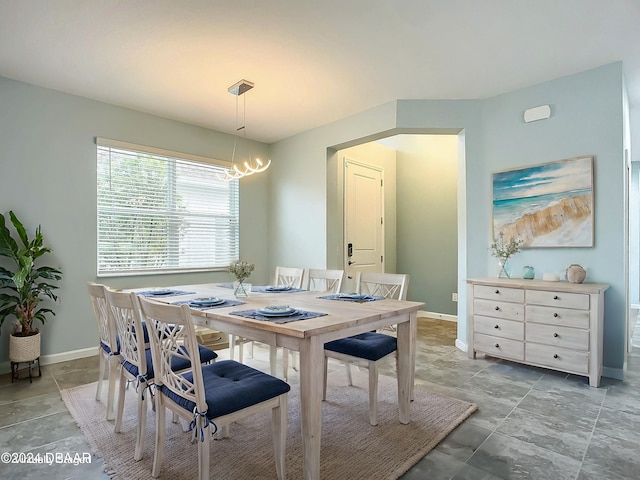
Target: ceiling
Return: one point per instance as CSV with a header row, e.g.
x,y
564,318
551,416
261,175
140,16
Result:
x,y
312,61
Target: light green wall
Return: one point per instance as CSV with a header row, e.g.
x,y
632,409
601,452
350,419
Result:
x,y
427,219
48,177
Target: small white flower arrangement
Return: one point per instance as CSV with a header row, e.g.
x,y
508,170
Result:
x,y
502,250
241,270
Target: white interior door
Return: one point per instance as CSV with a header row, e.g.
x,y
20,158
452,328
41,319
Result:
x,y
364,222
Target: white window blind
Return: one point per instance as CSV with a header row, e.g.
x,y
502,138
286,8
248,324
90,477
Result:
x,y
163,214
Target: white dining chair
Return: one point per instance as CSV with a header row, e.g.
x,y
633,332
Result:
x,y
283,277
288,277
320,280
137,364
315,280
370,348
211,396
108,349
387,285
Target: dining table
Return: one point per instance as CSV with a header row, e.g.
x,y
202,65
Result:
x,y
318,318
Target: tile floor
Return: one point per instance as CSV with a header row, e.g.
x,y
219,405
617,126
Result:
x,y
531,424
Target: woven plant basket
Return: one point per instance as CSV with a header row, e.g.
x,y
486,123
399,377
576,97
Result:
x,y
24,349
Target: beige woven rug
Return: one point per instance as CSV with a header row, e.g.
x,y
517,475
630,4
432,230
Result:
x,y
351,448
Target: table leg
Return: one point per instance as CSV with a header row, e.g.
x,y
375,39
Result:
x,y
407,332
311,384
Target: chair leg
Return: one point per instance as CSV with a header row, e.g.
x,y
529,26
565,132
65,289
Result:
x,y
113,376
373,393
123,383
232,346
203,454
142,423
347,365
101,374
273,359
279,432
160,436
326,370
285,363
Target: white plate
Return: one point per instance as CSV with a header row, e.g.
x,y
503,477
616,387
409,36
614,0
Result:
x,y
207,301
353,296
276,311
159,293
280,288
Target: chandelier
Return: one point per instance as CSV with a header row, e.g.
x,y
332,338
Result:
x,y
249,166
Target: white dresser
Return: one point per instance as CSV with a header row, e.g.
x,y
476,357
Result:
x,y
554,325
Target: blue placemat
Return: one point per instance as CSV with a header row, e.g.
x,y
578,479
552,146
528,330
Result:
x,y
299,315
227,303
264,288
366,298
164,292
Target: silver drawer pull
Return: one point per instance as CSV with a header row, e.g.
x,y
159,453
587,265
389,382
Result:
x,y
555,335
555,355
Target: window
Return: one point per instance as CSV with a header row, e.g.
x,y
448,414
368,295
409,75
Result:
x,y
163,212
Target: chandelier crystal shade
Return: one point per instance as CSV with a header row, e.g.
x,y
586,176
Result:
x,y
249,166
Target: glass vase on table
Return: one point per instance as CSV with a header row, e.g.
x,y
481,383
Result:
x,y
241,289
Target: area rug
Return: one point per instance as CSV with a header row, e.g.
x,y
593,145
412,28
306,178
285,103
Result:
x,y
351,448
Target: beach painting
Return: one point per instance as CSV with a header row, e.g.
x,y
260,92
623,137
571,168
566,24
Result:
x,y
547,205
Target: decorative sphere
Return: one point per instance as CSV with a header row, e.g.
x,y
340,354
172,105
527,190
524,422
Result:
x,y
575,273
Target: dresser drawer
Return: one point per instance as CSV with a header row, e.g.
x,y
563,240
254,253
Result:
x,y
498,293
491,308
558,299
501,347
498,327
565,337
557,316
558,358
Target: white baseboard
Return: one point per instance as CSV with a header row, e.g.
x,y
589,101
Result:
x,y
437,316
460,345
5,367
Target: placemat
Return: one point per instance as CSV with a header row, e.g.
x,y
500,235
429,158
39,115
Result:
x,y
299,315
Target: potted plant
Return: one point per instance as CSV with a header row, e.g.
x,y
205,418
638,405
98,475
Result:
x,y
23,285
241,270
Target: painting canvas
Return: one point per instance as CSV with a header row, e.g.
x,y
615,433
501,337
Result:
x,y
547,205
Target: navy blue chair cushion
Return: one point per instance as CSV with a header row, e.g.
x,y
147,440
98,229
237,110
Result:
x,y
370,345
177,364
231,386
